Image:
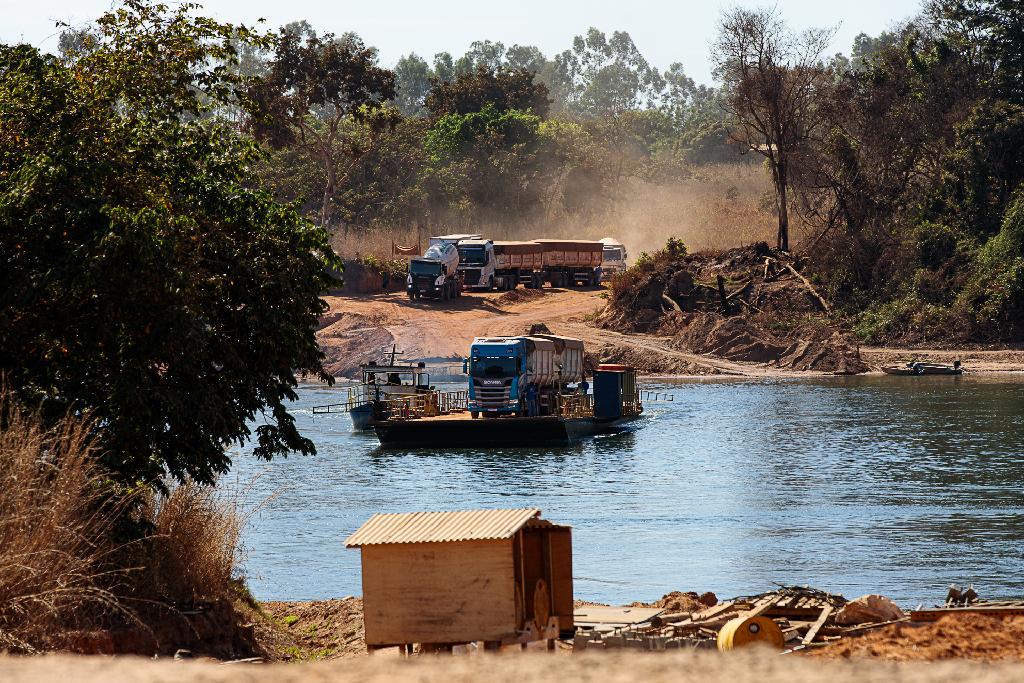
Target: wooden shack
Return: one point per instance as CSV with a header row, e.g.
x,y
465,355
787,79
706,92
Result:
x,y
445,578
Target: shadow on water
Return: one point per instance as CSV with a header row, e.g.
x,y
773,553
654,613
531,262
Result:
x,y
854,484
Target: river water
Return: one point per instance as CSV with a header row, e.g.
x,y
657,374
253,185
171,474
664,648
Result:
x,y
850,484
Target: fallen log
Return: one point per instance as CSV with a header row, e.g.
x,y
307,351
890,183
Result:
x,y
810,288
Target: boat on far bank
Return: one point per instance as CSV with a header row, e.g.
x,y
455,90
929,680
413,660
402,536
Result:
x,y
914,368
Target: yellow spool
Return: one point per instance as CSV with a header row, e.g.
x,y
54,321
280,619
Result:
x,y
743,631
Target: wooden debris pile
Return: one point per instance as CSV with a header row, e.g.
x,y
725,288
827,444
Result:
x,y
807,617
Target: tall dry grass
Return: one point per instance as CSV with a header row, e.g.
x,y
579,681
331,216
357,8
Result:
x,y
77,553
55,523
195,550
718,206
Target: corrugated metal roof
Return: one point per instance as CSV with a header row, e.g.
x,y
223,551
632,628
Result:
x,y
438,527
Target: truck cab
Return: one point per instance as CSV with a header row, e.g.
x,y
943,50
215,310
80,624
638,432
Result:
x,y
477,263
496,368
435,274
614,257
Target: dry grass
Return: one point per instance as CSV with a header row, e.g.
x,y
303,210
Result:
x,y
54,527
718,207
195,548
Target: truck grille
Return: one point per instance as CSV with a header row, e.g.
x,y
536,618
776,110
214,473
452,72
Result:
x,y
471,276
492,396
424,284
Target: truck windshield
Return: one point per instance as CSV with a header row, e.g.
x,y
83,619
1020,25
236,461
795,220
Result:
x,y
424,268
472,256
613,253
493,368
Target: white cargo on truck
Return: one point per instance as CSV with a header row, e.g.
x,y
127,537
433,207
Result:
x,y
435,274
453,239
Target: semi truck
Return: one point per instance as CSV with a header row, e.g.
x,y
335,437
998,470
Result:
x,y
519,262
477,264
613,257
568,263
501,370
436,273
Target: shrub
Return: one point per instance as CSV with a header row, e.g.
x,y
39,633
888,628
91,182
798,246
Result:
x,y
193,551
55,523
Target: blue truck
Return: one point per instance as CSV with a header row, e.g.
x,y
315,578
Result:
x,y
501,370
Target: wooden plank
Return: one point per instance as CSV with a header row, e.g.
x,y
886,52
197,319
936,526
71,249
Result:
x,y
561,576
713,612
438,592
592,615
816,626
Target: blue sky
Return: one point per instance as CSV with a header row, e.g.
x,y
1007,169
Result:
x,y
665,32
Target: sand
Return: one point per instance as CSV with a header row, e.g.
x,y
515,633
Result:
x,y
745,667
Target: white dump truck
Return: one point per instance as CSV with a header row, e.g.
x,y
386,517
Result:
x,y
435,274
613,257
477,264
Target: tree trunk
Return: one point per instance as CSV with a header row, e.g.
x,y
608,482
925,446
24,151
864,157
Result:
x,y
782,183
329,190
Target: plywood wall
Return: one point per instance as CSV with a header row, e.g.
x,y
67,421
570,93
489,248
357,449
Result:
x,y
438,592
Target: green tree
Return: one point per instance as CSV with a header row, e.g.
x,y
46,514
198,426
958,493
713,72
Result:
x,y
503,89
607,75
317,88
865,48
144,279
412,83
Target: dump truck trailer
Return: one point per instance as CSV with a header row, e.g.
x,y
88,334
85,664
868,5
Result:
x,y
519,262
501,370
572,262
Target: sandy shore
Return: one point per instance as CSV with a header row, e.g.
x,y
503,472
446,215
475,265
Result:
x,y
752,667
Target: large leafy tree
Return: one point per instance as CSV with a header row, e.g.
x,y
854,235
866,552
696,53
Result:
x,y
142,277
412,83
502,89
602,75
316,89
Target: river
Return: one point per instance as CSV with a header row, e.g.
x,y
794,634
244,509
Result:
x,y
850,484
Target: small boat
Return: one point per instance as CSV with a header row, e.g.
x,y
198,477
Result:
x,y
919,368
380,387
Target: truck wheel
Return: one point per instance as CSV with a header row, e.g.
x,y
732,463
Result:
x,y
474,414
412,295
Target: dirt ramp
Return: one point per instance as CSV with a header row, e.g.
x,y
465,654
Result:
x,y
808,348
749,305
349,340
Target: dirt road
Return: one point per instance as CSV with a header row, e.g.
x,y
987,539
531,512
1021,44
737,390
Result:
x,y
359,329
